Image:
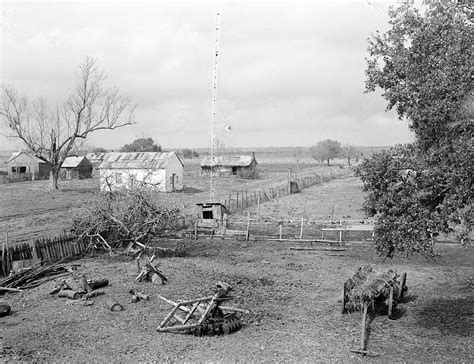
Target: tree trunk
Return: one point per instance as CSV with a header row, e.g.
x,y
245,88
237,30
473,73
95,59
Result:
x,y
328,161
349,161
53,179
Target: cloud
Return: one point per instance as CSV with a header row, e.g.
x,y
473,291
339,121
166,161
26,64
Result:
x,y
288,73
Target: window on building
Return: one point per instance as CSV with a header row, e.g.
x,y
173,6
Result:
x,y
22,169
207,214
118,177
14,169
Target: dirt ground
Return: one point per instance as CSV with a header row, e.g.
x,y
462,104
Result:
x,y
292,297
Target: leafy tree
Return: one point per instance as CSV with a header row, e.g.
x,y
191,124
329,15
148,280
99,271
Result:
x,y
99,150
141,145
326,150
423,64
51,132
195,154
187,153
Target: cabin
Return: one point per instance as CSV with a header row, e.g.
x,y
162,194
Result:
x,y
162,171
211,214
75,167
230,165
24,166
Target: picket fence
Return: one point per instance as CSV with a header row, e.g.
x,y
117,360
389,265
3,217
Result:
x,y
46,250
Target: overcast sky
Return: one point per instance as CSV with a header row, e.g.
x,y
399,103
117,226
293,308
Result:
x,y
290,74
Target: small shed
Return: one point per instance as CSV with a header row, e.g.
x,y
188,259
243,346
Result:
x,y
24,166
75,167
211,212
229,165
162,171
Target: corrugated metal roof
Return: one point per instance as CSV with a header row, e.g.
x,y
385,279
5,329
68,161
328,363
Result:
x,y
16,154
229,161
96,156
138,160
72,162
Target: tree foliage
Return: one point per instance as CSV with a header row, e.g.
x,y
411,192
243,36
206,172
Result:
x,y
189,153
141,145
326,150
51,132
423,64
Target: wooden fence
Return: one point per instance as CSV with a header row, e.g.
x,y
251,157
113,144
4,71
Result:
x,y
240,200
46,250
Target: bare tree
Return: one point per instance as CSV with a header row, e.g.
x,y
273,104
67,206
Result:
x,y
349,152
51,133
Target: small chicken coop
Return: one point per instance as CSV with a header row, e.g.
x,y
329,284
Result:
x,y
211,213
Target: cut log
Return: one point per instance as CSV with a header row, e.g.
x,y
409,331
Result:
x,y
84,285
98,283
69,294
113,304
89,295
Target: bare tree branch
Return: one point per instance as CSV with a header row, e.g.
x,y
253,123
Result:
x,y
52,133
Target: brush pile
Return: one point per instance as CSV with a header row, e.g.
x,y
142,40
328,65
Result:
x,y
121,218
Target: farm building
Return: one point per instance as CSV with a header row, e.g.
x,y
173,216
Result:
x,y
230,165
96,158
25,166
75,167
163,171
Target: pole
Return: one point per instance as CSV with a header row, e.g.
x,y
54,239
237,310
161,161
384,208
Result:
x,y
214,113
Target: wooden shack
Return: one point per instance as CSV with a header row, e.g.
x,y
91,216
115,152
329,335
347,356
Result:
x,y
75,167
229,165
24,166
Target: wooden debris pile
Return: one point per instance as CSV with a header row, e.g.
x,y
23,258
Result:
x,y
150,271
203,316
33,276
83,288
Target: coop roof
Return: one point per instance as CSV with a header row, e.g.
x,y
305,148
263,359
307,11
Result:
x,y
73,161
229,161
17,154
139,160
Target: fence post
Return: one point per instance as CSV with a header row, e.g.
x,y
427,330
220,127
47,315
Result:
x,y
258,204
247,235
280,224
3,256
301,231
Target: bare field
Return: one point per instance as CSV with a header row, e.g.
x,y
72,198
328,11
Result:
x,y
29,210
